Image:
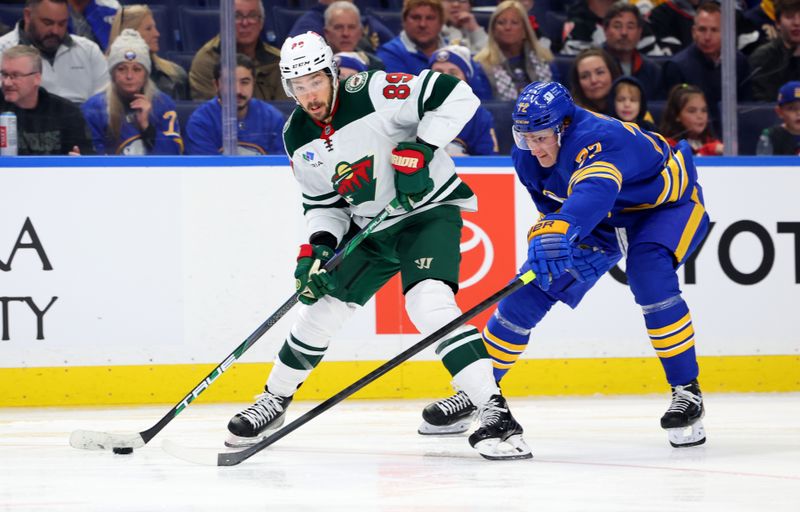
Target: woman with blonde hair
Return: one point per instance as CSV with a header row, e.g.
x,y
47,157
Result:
x,y
132,117
513,57
168,76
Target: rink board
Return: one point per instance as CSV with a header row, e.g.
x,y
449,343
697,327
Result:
x,y
128,280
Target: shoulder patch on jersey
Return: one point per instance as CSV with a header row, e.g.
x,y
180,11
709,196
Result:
x,y
356,82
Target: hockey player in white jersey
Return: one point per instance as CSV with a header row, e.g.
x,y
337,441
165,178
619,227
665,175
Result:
x,y
355,146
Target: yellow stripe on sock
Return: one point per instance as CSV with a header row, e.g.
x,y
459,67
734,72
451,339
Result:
x,y
680,349
669,329
683,334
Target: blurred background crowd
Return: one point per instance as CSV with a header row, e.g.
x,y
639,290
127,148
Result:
x,y
111,77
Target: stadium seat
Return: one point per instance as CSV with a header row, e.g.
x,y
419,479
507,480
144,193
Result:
x,y
501,111
392,19
656,108
483,17
166,23
283,20
285,106
552,27
753,118
11,14
183,59
197,27
184,108
563,63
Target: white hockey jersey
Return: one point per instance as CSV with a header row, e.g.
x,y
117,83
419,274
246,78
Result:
x,y
344,169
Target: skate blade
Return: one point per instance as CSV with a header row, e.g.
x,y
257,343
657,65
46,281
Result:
x,y
234,441
426,429
513,448
693,435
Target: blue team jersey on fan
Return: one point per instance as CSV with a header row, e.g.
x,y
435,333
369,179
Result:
x,y
259,133
608,172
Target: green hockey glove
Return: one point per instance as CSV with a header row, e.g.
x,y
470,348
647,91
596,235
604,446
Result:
x,y
311,280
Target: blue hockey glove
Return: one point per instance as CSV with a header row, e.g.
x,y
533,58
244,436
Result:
x,y
411,178
550,247
311,280
588,263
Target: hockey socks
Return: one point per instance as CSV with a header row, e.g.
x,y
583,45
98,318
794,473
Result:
x,y
505,342
464,355
669,325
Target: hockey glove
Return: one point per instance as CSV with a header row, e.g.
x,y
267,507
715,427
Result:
x,y
311,280
411,178
589,263
550,247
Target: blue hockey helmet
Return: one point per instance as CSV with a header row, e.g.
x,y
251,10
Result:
x,y
542,105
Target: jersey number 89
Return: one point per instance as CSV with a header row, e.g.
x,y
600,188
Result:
x,y
397,90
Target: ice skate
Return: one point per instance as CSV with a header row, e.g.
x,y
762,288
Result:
x,y
683,419
452,415
499,436
255,423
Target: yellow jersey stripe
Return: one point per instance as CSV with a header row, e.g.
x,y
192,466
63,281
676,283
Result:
x,y
690,230
494,340
680,349
677,338
671,328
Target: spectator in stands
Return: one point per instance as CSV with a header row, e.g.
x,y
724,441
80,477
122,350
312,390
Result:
x,y
344,32
478,136
461,27
591,76
778,61
168,76
249,16
374,33
132,117
784,138
622,27
349,63
73,66
672,23
92,19
513,57
699,63
260,124
629,103
46,124
762,16
686,117
421,36
584,27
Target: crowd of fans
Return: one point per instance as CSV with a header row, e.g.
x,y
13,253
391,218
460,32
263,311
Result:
x,y
86,76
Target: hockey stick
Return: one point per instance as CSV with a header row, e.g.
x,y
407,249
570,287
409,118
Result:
x,y
234,458
91,440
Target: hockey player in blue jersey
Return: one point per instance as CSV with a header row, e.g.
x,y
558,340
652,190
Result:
x,y
597,182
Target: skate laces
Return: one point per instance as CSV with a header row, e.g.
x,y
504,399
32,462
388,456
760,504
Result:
x,y
455,403
682,398
491,412
266,408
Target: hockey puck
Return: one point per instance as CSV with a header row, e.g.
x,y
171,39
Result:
x,y
126,450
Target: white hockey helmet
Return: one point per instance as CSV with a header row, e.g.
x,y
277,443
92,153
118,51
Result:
x,y
305,54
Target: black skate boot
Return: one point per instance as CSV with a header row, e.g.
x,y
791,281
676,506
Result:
x,y
499,436
682,421
254,423
452,415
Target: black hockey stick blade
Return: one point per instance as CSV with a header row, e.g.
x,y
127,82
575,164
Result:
x,y
94,440
234,458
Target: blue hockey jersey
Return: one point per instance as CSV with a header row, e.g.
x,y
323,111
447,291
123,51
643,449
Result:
x,y
164,124
609,173
259,133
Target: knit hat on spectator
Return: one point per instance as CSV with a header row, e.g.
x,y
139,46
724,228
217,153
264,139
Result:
x,y
458,55
789,92
129,47
350,60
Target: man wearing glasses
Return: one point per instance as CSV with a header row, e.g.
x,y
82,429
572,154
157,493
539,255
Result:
x,y
46,124
249,16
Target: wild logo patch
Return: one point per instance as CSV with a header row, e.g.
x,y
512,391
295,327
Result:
x,y
356,82
355,182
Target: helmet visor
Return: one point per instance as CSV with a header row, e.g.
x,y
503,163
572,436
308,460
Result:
x,y
308,84
531,140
